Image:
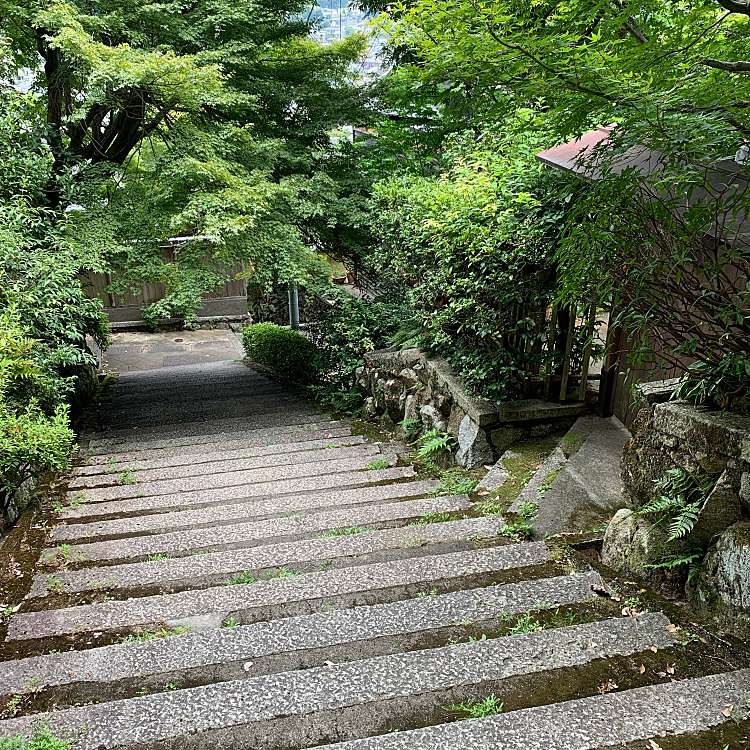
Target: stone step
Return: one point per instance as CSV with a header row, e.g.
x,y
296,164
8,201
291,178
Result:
x,y
149,417
223,495
674,709
226,465
253,533
282,645
230,389
198,444
158,431
305,707
359,547
178,374
257,509
272,599
196,460
219,480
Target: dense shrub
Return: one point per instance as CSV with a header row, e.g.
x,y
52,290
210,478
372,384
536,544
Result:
x,y
35,433
344,332
474,249
46,314
290,354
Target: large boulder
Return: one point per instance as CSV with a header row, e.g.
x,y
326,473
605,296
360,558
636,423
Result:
x,y
633,544
724,578
473,447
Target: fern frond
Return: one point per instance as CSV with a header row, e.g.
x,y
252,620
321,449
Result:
x,y
684,522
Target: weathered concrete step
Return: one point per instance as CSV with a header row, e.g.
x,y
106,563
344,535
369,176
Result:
x,y
304,707
152,417
346,587
250,492
196,460
282,645
157,432
612,720
200,443
157,523
162,473
216,391
252,533
208,482
358,546
206,371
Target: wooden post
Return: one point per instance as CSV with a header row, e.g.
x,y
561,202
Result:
x,y
550,351
590,323
566,357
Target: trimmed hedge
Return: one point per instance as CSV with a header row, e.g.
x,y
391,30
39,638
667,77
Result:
x,y
288,352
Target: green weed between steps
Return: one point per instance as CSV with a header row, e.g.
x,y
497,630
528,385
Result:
x,y
456,482
477,709
41,739
127,477
344,531
158,558
230,622
520,524
379,463
152,635
432,517
248,577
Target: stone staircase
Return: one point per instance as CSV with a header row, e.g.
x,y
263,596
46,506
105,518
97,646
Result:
x,y
235,569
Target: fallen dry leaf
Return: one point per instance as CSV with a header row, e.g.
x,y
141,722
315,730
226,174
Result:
x,y
642,669
653,745
727,711
653,648
670,668
672,628
247,666
607,687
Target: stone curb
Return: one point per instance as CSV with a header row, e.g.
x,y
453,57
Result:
x,y
156,523
161,473
250,492
254,533
199,444
600,721
252,602
257,710
198,459
234,646
242,477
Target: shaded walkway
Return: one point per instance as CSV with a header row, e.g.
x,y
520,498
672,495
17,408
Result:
x,y
234,567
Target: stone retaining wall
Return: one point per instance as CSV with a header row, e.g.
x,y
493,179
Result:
x,y
706,443
410,385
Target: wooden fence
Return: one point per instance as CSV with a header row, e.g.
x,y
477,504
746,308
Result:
x,y
228,301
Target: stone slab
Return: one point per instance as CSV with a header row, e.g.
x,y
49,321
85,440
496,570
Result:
x,y
208,482
535,487
352,585
256,532
323,630
250,492
265,507
611,720
153,434
705,430
198,444
588,488
195,571
160,473
155,417
196,460
257,709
